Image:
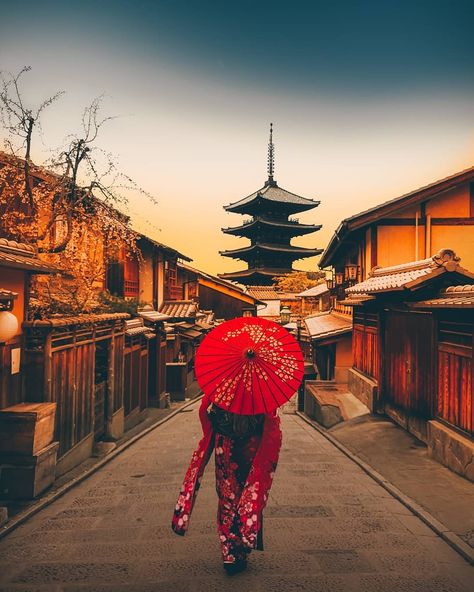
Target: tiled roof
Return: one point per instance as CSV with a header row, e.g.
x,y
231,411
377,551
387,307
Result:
x,y
389,208
315,290
212,278
270,293
304,251
267,271
7,295
179,308
205,317
163,247
136,326
83,319
151,315
275,193
327,324
399,277
263,292
294,226
22,256
452,297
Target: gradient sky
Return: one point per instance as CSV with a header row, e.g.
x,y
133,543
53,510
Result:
x,y
369,99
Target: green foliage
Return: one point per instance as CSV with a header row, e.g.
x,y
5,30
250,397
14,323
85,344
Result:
x,y
297,281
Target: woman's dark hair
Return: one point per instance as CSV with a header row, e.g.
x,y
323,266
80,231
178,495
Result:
x,y
235,425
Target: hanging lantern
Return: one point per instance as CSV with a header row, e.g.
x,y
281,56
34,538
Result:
x,y
351,272
339,277
8,321
285,315
8,326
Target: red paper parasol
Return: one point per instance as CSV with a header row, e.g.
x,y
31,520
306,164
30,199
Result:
x,y
249,365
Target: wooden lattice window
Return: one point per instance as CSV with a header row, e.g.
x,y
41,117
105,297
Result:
x,y
131,278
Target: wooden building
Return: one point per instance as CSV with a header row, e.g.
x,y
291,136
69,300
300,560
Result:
x,y
77,363
315,300
329,334
149,275
225,299
269,230
18,262
408,228
273,301
413,330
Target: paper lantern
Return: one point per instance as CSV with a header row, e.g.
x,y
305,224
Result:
x,y
8,326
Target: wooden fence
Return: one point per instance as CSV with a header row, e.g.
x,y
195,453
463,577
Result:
x,y
78,364
455,403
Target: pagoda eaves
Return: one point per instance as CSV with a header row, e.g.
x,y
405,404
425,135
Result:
x,y
270,196
246,253
289,228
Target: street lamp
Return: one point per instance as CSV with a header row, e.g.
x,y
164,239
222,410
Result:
x,y
285,315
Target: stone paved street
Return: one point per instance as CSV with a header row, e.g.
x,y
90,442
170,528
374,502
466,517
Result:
x,y
328,527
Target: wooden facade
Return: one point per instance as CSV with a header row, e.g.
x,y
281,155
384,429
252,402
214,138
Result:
x,y
365,343
455,370
413,336
77,363
411,227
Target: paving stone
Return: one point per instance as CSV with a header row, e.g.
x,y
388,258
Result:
x,y
328,526
302,511
338,561
72,572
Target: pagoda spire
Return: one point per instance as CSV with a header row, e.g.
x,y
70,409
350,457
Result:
x,y
271,160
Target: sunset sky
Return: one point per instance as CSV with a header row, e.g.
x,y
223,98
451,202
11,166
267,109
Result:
x,y
369,99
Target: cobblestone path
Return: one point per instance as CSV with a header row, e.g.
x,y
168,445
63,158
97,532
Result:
x,y
328,527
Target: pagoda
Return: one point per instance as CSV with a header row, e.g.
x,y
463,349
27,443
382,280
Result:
x,y
270,230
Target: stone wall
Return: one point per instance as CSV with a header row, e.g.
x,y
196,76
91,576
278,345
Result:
x,y
451,449
364,388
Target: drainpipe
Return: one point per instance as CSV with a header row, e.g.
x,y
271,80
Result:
x,y
416,236
428,236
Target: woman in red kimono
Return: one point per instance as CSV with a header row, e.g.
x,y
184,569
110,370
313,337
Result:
x,y
246,455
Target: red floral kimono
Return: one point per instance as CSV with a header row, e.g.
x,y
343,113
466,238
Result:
x,y
244,473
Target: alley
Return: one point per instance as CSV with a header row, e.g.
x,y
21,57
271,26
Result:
x,y
328,527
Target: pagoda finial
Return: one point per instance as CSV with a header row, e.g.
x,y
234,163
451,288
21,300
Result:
x,y
271,159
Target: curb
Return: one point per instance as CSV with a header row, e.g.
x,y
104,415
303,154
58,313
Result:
x,y
45,501
453,540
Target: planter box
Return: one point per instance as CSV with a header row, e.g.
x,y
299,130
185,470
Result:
x,y
25,477
26,428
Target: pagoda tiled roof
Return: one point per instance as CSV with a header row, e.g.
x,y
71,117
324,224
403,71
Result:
x,y
303,251
265,271
294,226
274,193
